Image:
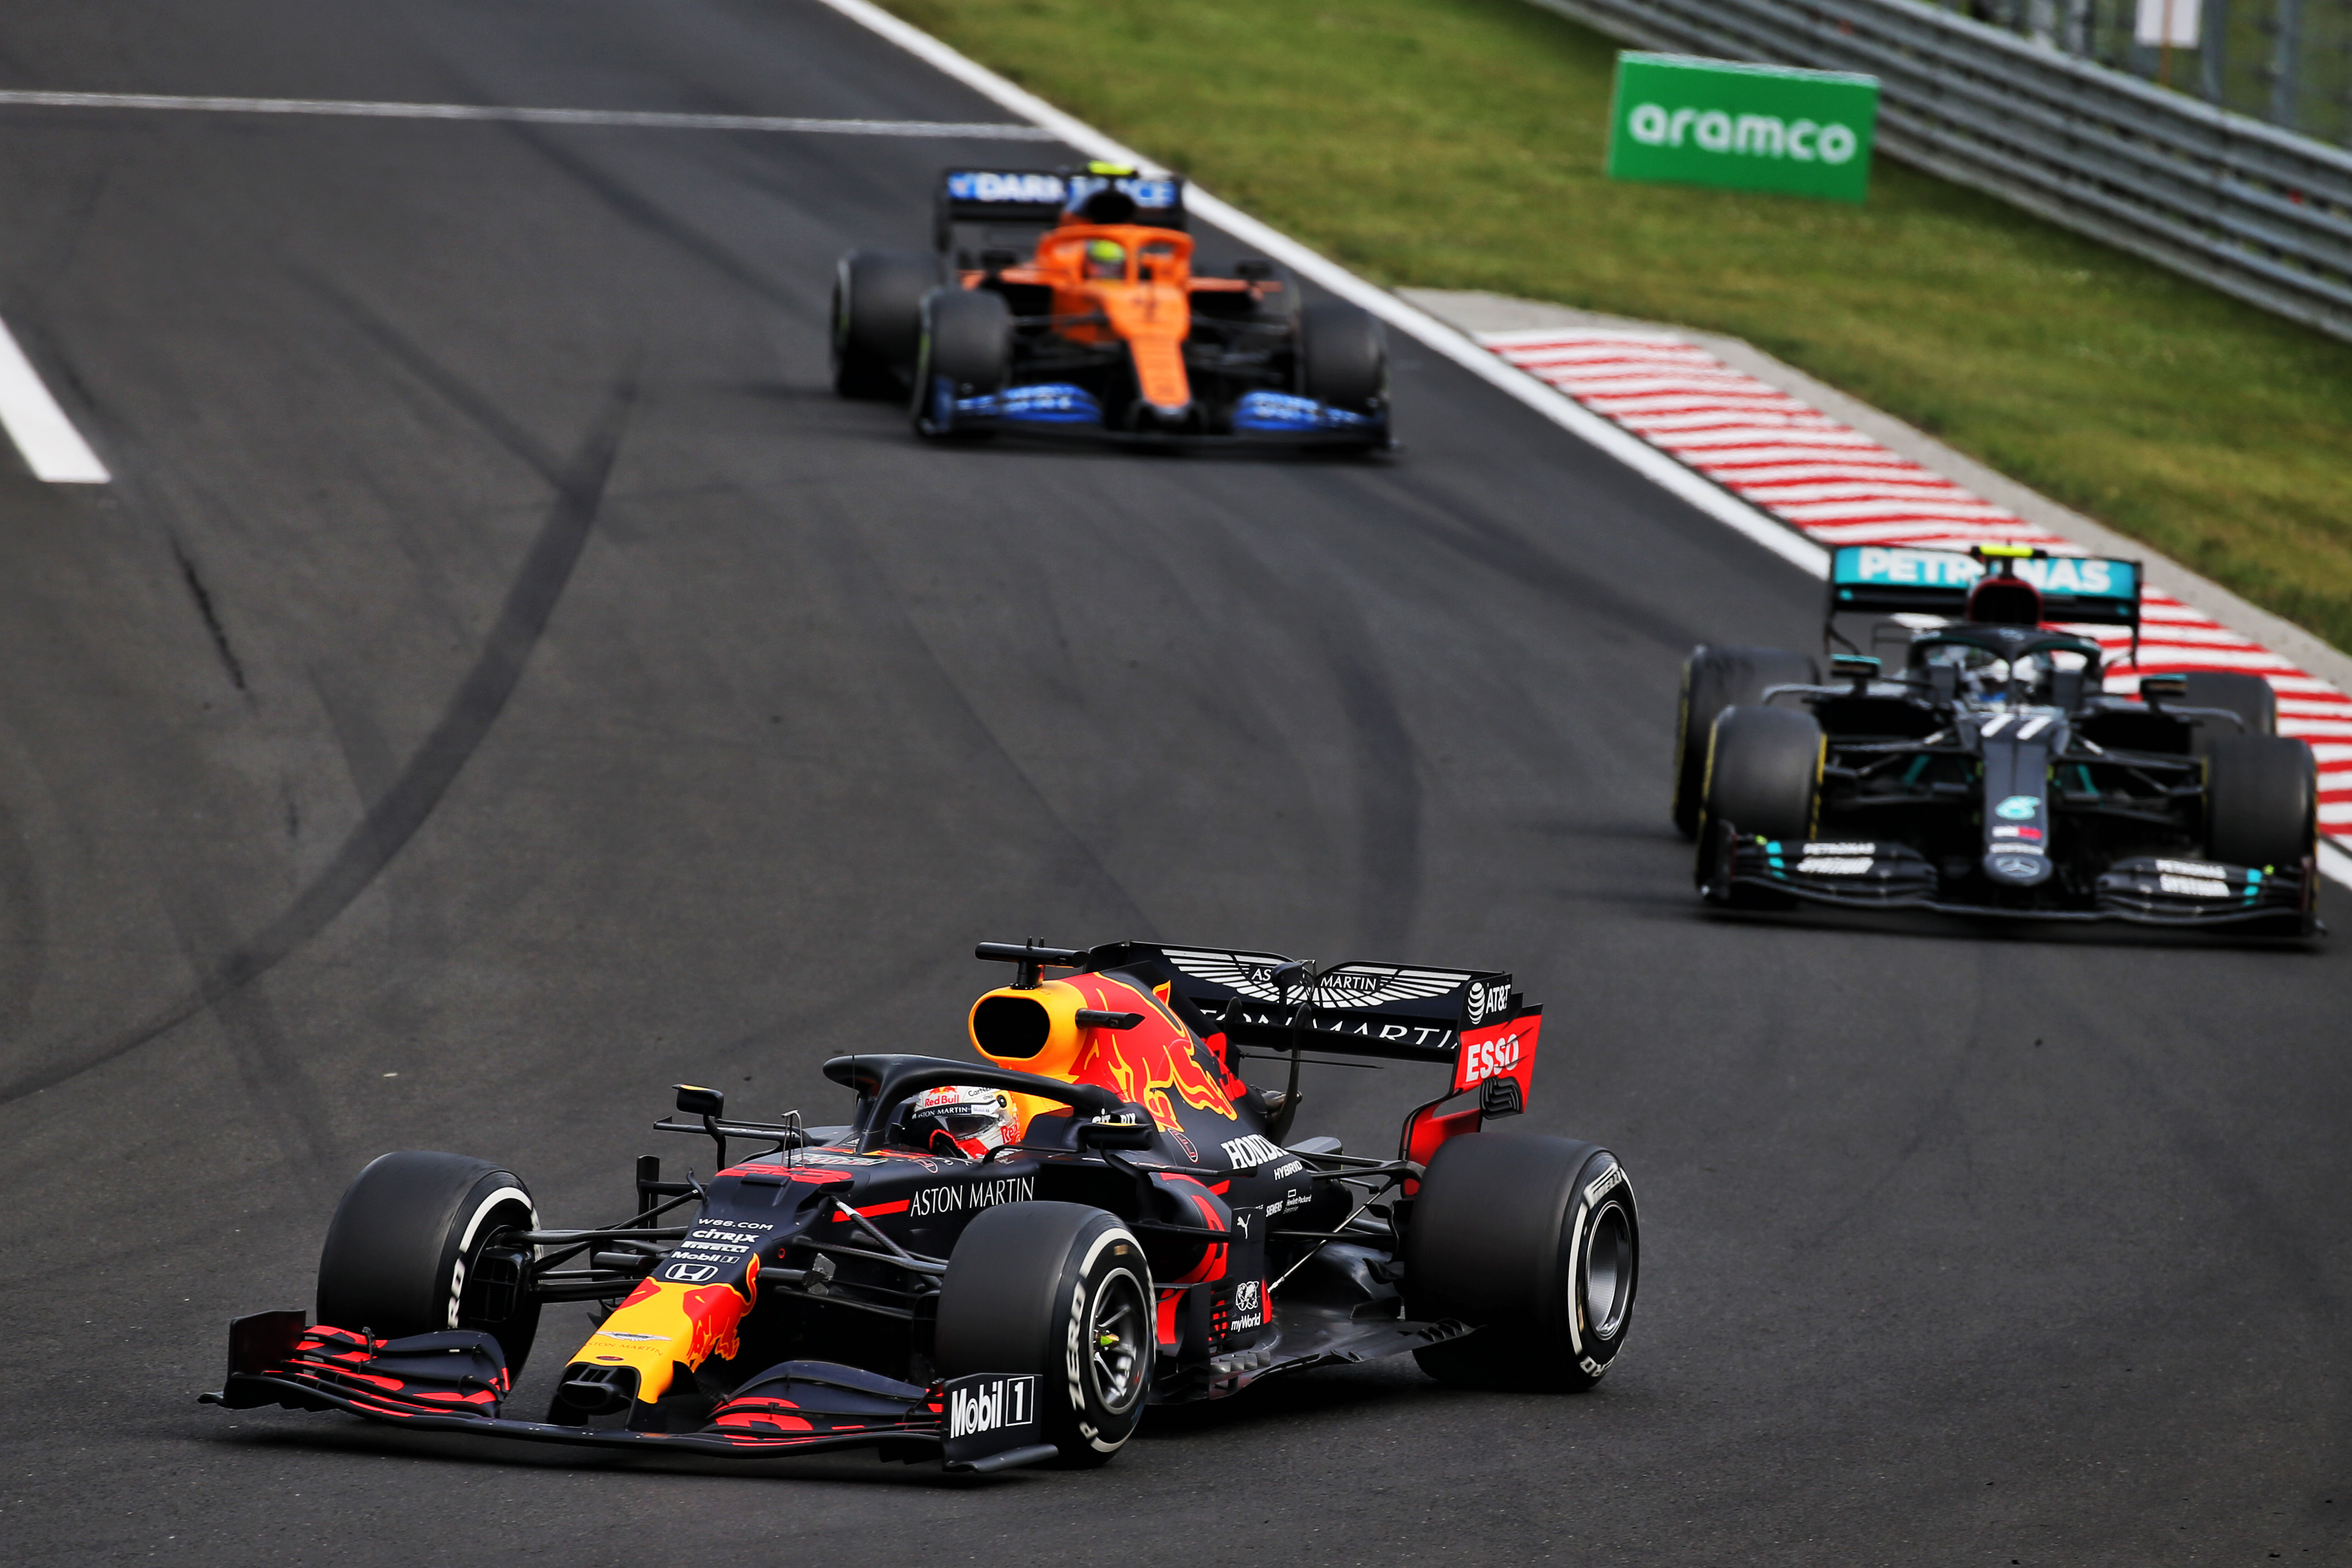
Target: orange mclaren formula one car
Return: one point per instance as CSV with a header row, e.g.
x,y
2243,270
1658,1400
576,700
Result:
x,y
1067,303
1002,1260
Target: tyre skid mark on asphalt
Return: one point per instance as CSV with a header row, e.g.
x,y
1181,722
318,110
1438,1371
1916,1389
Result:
x,y
393,819
1095,868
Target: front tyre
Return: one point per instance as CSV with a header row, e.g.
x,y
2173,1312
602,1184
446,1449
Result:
x,y
964,350
2262,801
1343,357
876,295
404,1251
1535,1241
1060,1290
1714,678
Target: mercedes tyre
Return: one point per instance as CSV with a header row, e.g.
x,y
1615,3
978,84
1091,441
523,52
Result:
x,y
1714,678
2262,801
1763,777
2250,697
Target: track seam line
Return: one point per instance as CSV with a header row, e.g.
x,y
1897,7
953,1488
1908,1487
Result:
x,y
627,119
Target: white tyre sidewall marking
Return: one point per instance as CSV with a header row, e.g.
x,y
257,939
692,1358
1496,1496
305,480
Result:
x,y
1578,1238
1075,1354
465,1241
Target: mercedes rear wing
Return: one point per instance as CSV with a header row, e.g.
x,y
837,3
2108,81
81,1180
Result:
x,y
1909,580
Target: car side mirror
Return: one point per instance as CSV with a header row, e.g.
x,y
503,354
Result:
x,y
695,1100
1130,1130
2154,689
1858,668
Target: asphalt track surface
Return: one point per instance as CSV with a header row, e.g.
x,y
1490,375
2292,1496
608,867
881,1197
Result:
x,y
501,663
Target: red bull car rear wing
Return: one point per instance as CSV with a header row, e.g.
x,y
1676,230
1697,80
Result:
x,y
1265,1004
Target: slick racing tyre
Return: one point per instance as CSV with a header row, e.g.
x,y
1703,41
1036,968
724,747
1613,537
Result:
x,y
1343,360
964,350
2262,801
1060,1290
403,1252
1535,1241
1714,678
2250,697
878,297
1763,776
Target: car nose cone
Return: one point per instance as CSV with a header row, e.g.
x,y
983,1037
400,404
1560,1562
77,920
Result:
x,y
2012,870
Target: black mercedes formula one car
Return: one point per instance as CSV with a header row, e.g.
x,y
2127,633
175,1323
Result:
x,y
1993,774
1001,1261
1066,303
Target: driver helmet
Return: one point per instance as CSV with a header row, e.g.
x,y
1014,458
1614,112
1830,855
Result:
x,y
1983,674
959,1119
1106,258
2039,671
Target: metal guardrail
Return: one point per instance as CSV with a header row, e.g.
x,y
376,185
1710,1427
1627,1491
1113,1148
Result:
x,y
2252,210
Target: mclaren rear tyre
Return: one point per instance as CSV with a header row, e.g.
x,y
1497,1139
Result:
x,y
1060,1290
416,1248
2262,801
2250,697
1536,1242
1343,359
878,297
1714,678
964,350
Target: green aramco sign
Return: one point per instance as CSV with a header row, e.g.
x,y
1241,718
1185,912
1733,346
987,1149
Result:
x,y
1751,127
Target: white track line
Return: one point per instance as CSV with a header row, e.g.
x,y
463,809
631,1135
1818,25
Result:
x,y
53,448
1462,350
354,109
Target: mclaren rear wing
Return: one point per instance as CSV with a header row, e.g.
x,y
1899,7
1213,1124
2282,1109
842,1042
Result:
x,y
981,209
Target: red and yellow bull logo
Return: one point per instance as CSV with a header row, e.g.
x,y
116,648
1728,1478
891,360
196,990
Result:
x,y
1150,1062
1157,1064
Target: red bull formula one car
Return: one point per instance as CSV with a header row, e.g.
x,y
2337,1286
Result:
x,y
1001,1261
1068,303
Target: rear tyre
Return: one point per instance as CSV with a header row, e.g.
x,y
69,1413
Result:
x,y
877,297
1535,1240
1343,359
1061,1290
2250,697
964,350
2262,801
403,1251
1714,678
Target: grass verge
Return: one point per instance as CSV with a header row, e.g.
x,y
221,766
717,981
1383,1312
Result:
x,y
1458,144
